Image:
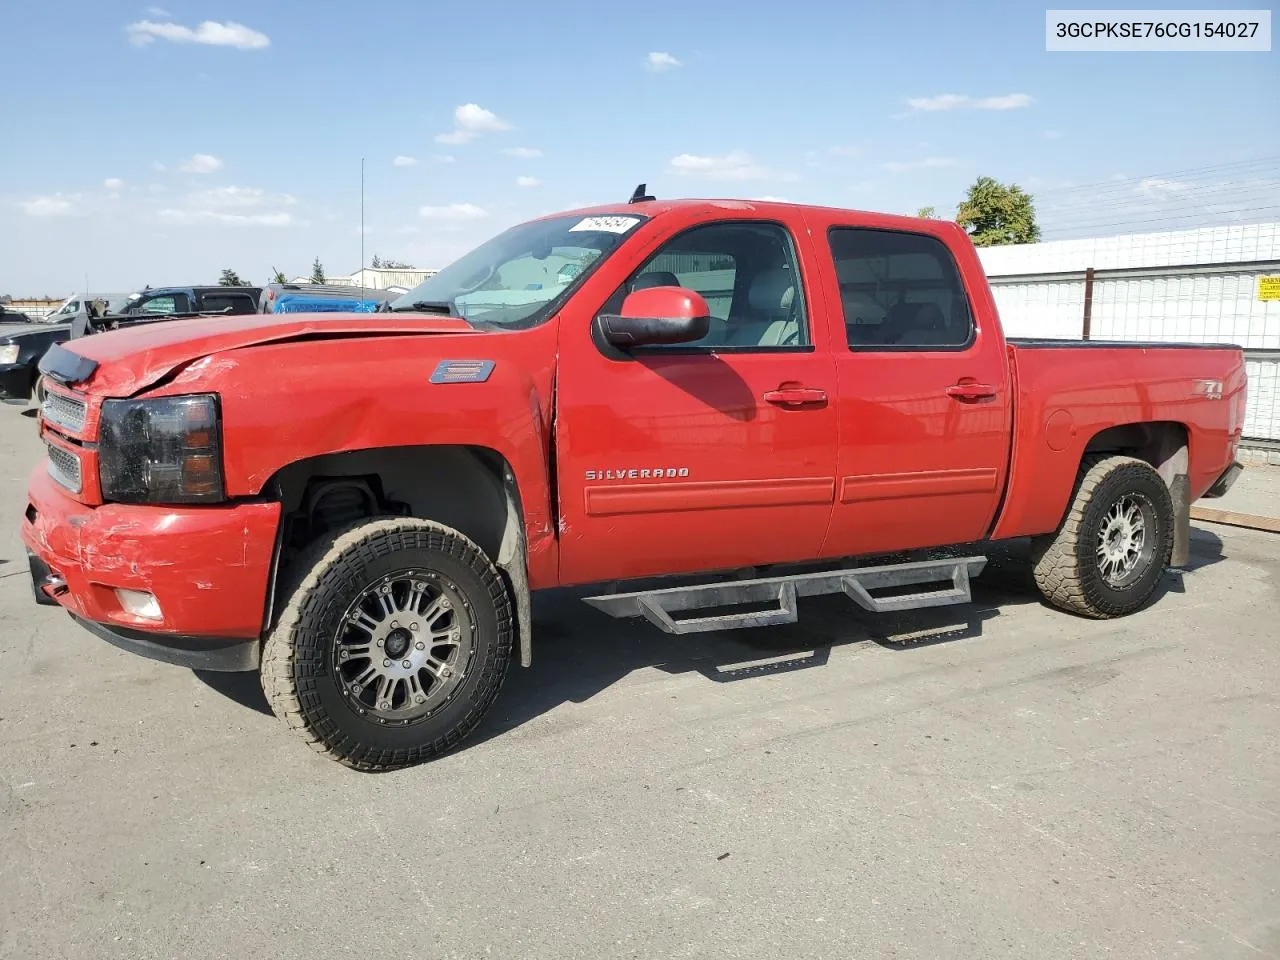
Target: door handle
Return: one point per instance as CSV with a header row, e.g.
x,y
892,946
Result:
x,y
971,392
795,396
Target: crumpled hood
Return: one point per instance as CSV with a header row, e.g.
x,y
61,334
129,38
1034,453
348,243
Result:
x,y
134,358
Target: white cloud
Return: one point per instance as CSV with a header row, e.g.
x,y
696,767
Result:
x,y
443,158
113,183
734,166
658,61
210,32
928,163
848,152
1051,135
157,166
237,197
201,163
453,211
277,219
528,182
232,205
159,12
403,161
469,121
962,101
1160,187
523,153
53,205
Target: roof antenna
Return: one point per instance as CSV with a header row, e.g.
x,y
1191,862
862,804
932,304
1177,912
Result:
x,y
640,196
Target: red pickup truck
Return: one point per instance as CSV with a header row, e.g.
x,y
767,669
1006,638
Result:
x,y
360,505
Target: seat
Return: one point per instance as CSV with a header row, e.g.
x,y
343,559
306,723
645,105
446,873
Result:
x,y
920,324
771,299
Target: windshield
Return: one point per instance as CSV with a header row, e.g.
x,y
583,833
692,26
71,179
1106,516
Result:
x,y
520,276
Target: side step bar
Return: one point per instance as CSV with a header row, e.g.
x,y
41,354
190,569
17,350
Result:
x,y
661,607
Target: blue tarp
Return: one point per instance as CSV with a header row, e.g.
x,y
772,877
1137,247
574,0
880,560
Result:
x,y
305,304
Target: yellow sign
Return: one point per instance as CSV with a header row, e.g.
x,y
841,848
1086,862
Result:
x,y
1269,288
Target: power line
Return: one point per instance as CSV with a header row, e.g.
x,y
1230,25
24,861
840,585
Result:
x,y
1154,207
1119,183
1250,215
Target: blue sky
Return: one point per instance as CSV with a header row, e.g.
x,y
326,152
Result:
x,y
158,145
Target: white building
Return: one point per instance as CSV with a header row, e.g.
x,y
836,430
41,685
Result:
x,y
1189,286
376,279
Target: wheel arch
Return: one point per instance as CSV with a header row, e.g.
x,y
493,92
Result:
x,y
1166,446
472,489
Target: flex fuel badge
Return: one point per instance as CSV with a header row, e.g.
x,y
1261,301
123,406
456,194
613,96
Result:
x,y
462,371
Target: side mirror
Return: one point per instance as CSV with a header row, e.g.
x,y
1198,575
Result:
x,y
657,315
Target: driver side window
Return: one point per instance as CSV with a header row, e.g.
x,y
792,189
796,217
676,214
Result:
x,y
746,272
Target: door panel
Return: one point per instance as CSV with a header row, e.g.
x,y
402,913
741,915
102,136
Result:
x,y
925,399
703,457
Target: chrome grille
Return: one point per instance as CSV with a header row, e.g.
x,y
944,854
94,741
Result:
x,y
64,467
63,411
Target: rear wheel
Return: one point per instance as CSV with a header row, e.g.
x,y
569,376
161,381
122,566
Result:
x,y
392,645
1107,557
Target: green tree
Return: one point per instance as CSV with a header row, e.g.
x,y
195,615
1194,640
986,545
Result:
x,y
927,213
995,214
277,276
231,279
317,271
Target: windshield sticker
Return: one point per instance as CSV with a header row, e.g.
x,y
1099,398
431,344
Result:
x,y
606,224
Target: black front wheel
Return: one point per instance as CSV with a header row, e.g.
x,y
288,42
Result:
x,y
392,646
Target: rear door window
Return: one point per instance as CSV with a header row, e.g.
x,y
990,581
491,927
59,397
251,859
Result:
x,y
899,290
231,303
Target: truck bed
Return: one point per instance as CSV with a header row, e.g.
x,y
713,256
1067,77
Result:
x,y
1067,393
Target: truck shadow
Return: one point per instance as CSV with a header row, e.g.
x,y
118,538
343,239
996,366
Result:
x,y
580,652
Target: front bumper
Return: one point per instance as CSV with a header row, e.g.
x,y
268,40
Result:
x,y
1224,482
207,567
15,382
221,654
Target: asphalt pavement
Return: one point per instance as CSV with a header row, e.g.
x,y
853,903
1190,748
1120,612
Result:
x,y
988,781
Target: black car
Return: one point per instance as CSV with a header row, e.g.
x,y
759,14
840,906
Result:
x,y
171,303
23,342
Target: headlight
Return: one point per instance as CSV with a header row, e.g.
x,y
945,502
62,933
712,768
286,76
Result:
x,y
9,353
163,450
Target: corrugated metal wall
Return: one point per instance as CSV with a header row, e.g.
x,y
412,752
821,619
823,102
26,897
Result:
x,y
1193,286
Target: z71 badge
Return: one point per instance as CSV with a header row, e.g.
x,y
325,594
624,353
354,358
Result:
x,y
639,473
1210,389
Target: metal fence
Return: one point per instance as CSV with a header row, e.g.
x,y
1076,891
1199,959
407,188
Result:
x,y
1212,303
1262,411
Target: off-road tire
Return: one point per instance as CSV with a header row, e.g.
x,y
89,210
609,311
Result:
x,y
297,674
1065,563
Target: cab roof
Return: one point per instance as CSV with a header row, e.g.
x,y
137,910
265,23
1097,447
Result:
x,y
766,208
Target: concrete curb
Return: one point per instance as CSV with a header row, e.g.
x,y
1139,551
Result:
x,y
1234,519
